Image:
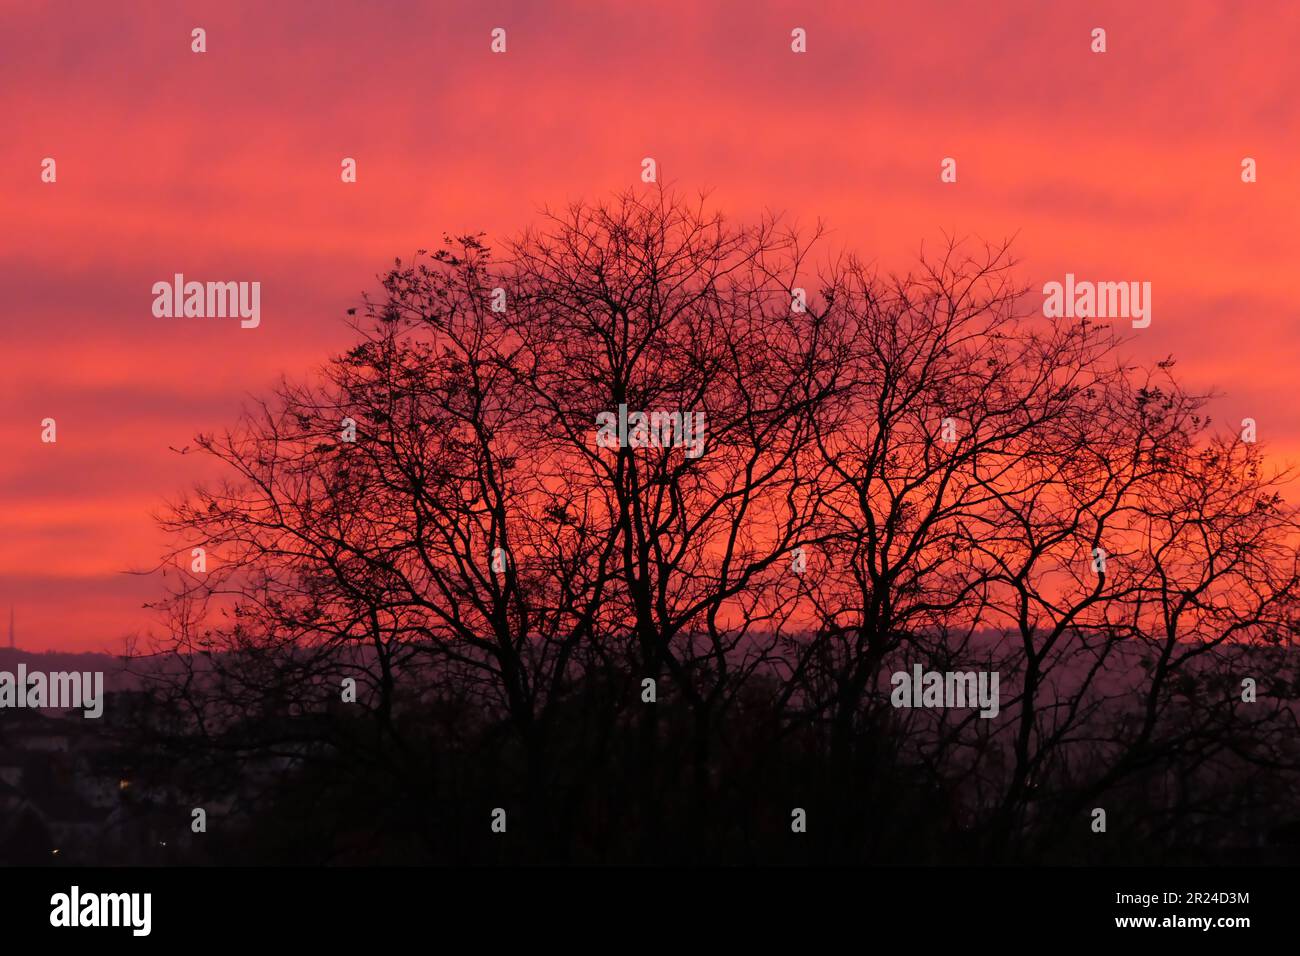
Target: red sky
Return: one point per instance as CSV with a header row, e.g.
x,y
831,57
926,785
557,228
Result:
x,y
225,165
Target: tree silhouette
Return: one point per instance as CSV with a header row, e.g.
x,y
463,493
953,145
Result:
x,y
648,653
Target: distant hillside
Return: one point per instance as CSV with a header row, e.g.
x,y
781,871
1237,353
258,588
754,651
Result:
x,y
114,669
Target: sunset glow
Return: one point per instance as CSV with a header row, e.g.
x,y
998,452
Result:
x,y
226,166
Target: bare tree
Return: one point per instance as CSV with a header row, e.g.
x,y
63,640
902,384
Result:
x,y
628,640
